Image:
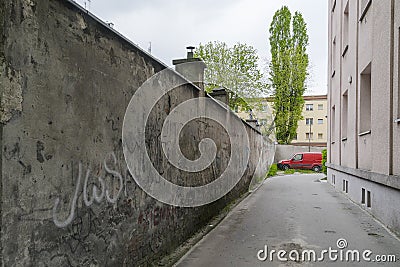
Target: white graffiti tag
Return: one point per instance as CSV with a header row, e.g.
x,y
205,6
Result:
x,y
98,193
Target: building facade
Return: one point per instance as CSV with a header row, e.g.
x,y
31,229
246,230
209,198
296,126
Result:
x,y
364,106
313,129
314,114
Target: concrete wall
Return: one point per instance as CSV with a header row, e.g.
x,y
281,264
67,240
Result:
x,y
285,151
66,82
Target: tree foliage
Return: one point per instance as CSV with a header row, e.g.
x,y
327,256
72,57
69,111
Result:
x,y
288,71
235,68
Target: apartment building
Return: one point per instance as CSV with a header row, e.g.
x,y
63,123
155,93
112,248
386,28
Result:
x,y
312,130
363,98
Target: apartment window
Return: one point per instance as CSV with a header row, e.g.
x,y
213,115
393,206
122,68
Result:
x,y
333,179
346,25
333,123
320,135
364,6
320,121
333,55
309,107
295,137
365,100
309,121
309,136
344,114
320,106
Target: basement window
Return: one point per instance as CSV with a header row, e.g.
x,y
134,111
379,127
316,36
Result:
x,y
369,199
362,195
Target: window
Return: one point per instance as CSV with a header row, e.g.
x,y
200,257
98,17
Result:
x,y
295,137
320,121
309,107
344,114
309,121
298,157
365,100
364,6
320,106
345,186
345,36
333,179
369,199
362,195
309,136
333,123
320,136
333,55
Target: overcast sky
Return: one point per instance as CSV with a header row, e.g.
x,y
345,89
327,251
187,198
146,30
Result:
x,y
171,25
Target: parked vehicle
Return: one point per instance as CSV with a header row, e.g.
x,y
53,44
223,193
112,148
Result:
x,y
303,160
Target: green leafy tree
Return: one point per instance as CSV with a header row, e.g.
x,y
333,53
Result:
x,y
288,71
235,68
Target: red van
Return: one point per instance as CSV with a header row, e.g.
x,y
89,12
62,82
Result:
x,y
303,160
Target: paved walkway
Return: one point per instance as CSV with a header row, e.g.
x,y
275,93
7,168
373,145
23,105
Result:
x,y
293,213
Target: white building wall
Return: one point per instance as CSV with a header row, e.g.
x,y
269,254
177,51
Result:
x,y
365,155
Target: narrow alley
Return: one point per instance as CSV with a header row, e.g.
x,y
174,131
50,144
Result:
x,y
294,212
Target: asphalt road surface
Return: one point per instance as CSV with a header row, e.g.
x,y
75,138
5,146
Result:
x,y
297,214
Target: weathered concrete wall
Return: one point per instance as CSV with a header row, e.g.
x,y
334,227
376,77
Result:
x,y
285,151
66,81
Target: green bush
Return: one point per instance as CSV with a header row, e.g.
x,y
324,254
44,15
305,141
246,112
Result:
x,y
324,153
272,170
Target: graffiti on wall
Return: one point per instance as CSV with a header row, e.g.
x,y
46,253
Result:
x,y
100,192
